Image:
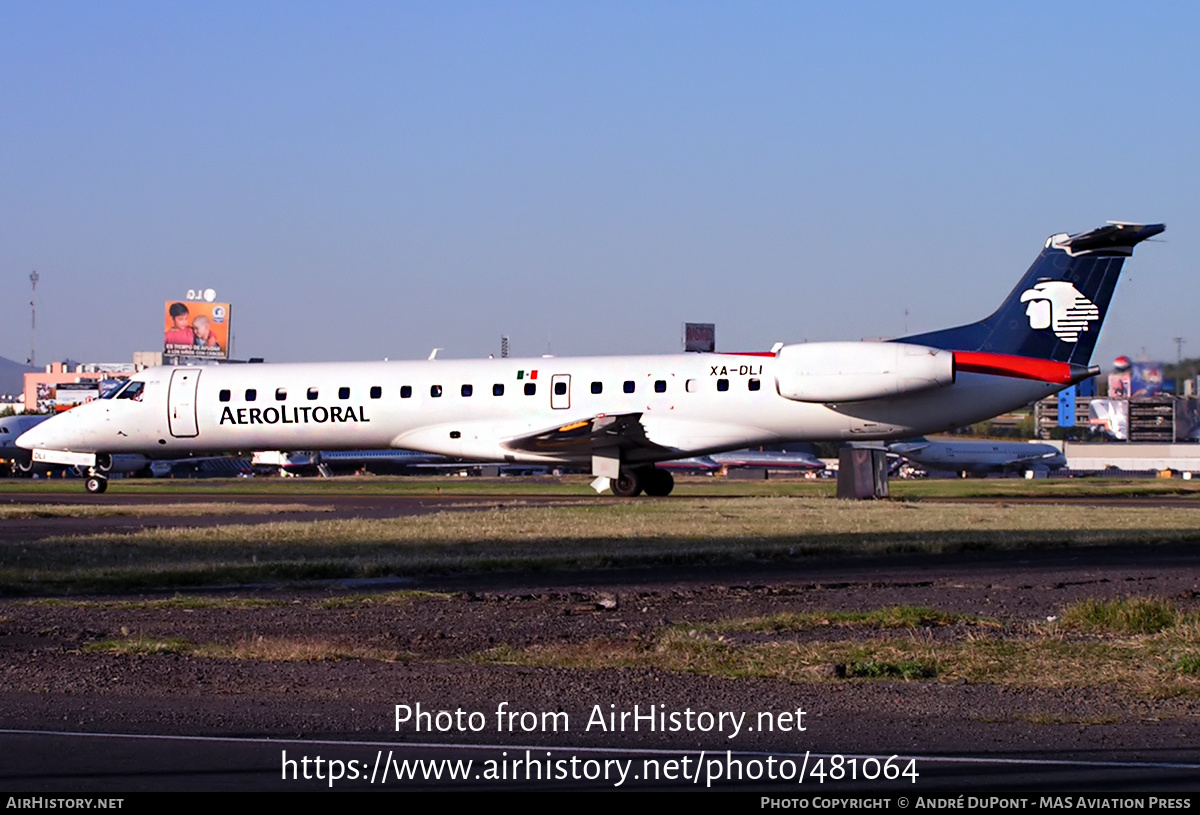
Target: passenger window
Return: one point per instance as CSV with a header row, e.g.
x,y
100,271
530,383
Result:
x,y
722,384
312,394
343,393
223,395
597,387
467,390
497,390
660,386
560,388
530,389
435,391
629,386
281,394
405,391
376,391
691,386
251,394
755,384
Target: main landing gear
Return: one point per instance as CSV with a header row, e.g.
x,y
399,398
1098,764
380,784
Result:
x,y
650,480
96,484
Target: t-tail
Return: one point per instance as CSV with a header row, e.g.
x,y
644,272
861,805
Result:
x,y
1056,311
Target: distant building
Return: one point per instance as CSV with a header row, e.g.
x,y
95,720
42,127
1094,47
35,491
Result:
x,y
62,385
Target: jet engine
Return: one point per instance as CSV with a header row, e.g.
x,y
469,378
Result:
x,y
854,371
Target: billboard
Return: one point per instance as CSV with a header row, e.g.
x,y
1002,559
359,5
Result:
x,y
701,337
196,329
1146,379
53,398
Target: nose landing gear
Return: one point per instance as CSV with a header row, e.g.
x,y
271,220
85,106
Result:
x,y
97,476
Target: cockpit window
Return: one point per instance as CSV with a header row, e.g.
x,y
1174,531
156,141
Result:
x,y
132,391
112,393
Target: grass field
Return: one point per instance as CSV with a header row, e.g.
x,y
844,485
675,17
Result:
x,y
587,533
577,485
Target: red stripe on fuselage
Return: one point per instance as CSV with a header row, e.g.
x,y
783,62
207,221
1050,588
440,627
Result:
x,y
1044,370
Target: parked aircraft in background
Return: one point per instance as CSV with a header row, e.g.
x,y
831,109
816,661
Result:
x,y
764,459
17,459
980,457
620,416
202,467
380,462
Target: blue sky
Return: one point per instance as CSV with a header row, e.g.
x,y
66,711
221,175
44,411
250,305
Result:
x,y
368,180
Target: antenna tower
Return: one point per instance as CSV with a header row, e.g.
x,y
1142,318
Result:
x,y
33,279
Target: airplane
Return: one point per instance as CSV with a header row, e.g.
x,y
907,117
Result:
x,y
621,415
11,427
201,467
20,462
980,457
387,461
765,459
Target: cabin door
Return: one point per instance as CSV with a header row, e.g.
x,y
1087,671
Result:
x,y
181,403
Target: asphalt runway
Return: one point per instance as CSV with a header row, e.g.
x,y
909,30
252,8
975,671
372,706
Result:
x,y
76,721
66,762
343,506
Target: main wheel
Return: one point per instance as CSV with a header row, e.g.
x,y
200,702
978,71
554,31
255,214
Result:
x,y
627,485
95,484
659,482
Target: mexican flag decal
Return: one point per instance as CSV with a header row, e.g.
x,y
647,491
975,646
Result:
x,y
527,374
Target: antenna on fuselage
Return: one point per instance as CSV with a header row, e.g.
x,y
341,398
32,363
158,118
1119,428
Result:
x,y
433,353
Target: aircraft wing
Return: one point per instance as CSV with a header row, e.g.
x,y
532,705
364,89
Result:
x,y
581,439
638,438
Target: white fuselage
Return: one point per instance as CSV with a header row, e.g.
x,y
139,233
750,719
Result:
x,y
689,404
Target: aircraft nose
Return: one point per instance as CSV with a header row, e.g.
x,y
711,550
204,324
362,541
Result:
x,y
49,435
31,439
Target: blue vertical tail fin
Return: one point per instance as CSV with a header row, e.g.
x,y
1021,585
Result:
x,y
1056,311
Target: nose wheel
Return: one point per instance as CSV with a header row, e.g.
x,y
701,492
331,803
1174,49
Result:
x,y
96,484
